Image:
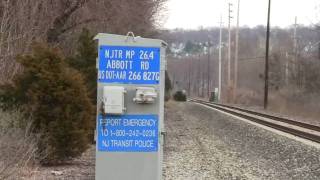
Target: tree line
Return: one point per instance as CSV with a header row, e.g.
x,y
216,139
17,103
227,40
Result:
x,y
294,62
48,64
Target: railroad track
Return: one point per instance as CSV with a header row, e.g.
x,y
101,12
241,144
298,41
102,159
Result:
x,y
300,129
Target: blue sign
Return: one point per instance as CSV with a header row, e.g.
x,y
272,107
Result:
x,y
128,133
129,65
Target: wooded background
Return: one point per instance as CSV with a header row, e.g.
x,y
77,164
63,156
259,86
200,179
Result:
x,y
294,75
59,22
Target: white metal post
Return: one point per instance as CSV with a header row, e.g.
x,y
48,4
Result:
x,y
220,56
236,55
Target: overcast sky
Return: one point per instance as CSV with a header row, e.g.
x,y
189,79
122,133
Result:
x,y
191,14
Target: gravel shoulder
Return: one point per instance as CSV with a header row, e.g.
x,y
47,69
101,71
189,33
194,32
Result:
x,y
204,144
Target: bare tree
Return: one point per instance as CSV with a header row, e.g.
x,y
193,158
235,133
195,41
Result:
x,y
20,24
59,22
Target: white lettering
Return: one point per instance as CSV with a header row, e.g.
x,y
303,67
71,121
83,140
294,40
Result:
x,y
122,75
145,55
113,54
105,143
129,54
104,132
145,65
121,143
119,64
144,144
113,122
139,122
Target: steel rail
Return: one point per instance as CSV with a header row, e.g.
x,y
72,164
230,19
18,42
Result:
x,y
293,131
285,120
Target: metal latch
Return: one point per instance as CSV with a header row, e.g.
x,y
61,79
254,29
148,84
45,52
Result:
x,y
145,95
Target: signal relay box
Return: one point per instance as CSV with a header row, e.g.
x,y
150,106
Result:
x,y
130,133
113,100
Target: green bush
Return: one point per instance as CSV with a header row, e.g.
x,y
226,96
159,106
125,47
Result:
x,y
56,98
85,62
180,96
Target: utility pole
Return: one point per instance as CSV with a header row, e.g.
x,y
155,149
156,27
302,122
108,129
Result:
x,y
287,69
199,74
220,56
189,77
295,43
192,71
229,46
296,65
236,55
203,82
319,51
266,71
208,82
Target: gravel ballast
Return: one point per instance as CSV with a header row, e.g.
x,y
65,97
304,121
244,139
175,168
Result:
x,y
204,144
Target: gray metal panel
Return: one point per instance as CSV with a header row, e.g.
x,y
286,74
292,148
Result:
x,y
133,165
123,166
133,108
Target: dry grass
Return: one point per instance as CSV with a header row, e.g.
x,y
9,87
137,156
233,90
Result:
x,y
248,97
299,104
17,146
295,104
